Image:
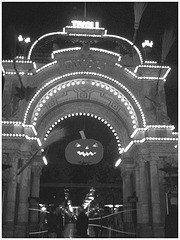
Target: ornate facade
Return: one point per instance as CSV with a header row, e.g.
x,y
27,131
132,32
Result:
x,y
111,81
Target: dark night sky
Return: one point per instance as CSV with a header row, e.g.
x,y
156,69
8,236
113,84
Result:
x,y
37,18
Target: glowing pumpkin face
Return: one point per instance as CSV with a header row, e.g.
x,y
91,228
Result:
x,y
84,151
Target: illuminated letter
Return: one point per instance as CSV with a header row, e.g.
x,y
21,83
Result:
x,y
96,24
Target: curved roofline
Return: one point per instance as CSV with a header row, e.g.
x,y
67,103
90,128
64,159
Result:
x,y
104,36
43,36
128,41
92,74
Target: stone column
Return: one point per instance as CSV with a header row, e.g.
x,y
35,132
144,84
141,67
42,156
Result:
x,y
23,205
143,194
127,185
127,192
34,198
138,206
8,228
155,198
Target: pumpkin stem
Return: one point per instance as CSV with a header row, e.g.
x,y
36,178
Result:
x,y
82,134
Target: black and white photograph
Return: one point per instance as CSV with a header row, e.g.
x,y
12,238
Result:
x,y
89,119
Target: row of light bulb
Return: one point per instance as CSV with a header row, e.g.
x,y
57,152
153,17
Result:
x,y
91,49
149,139
20,73
119,65
88,115
85,73
96,83
17,61
46,66
171,127
86,35
18,135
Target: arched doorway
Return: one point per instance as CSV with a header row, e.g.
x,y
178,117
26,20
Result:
x,y
98,121
59,176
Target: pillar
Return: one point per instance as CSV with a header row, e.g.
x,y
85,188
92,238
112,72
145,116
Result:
x,y
127,185
21,228
8,227
34,198
158,229
144,228
126,172
138,204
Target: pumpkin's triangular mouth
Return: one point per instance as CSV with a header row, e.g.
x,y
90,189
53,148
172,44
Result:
x,y
86,154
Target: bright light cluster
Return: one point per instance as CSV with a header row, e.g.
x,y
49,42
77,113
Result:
x,y
39,142
107,87
3,71
161,126
85,25
20,123
150,62
118,65
147,43
46,66
17,61
131,43
18,135
105,51
43,36
148,139
119,95
12,122
20,73
161,139
20,57
45,160
175,133
64,50
89,198
25,39
148,66
171,127
88,115
118,162
86,35
79,48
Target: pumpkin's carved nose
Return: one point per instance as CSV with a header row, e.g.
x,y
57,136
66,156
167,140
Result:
x,y
86,147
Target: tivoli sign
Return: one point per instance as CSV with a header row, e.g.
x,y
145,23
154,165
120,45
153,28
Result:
x,y
84,24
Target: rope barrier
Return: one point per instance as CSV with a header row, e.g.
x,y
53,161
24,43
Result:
x,y
31,233
112,214
96,225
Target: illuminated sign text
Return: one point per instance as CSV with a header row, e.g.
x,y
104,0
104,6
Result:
x,y
85,24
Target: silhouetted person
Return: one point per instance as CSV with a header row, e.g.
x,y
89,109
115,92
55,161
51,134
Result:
x,y
60,222
82,224
52,223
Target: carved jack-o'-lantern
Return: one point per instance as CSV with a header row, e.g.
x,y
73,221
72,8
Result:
x,y
84,151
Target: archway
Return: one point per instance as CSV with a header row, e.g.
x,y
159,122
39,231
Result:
x,y
60,172
63,183
111,89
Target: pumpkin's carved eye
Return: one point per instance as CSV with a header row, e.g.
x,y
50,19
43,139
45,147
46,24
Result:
x,y
78,145
95,145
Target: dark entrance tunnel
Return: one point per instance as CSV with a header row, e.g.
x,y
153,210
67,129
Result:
x,y
59,174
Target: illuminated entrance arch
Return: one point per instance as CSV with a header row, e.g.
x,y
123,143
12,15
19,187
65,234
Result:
x,y
114,86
